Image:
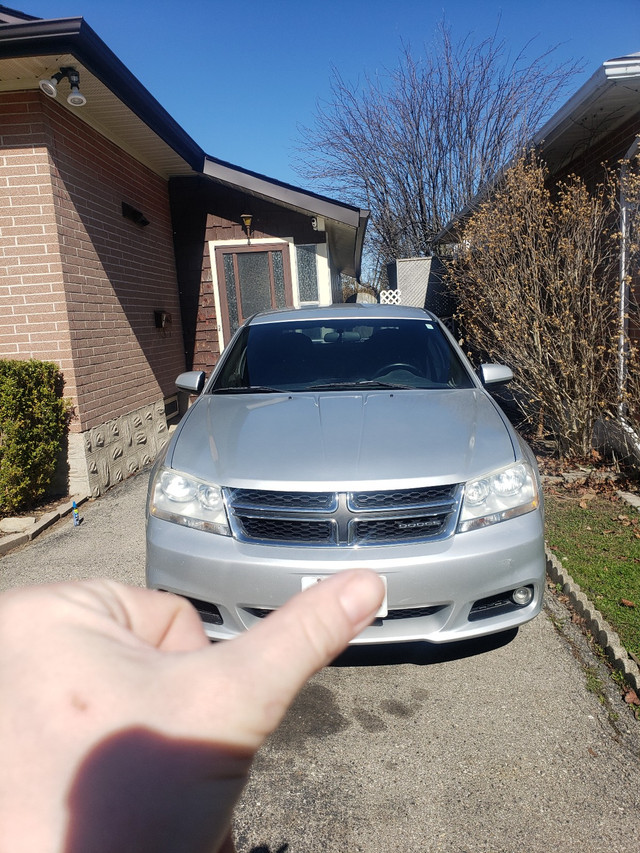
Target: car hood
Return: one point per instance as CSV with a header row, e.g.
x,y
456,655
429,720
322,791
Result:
x,y
342,440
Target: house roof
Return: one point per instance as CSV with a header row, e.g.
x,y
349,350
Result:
x,y
345,225
121,109
608,99
118,106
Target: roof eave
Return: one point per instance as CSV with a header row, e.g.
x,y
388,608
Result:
x,y
605,77
50,37
271,188
76,37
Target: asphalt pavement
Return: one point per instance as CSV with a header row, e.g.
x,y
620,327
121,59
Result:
x,y
519,743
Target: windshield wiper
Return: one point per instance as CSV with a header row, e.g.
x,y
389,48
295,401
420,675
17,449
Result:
x,y
248,389
373,384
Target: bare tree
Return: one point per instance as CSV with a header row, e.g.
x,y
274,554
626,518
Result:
x,y
536,279
416,144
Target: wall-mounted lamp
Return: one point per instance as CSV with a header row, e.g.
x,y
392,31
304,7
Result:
x,y
75,97
246,221
162,320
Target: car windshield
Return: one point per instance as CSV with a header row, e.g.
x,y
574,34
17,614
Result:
x,y
343,355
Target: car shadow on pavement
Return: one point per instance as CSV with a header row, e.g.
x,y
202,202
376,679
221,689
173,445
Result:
x,y
423,653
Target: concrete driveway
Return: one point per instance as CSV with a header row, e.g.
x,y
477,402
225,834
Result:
x,y
504,746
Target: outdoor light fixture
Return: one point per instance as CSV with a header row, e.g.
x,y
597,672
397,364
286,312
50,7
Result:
x,y
50,86
246,221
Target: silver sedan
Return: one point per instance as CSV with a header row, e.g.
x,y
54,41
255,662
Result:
x,y
352,435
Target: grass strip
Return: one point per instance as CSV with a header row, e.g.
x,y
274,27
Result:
x,y
597,539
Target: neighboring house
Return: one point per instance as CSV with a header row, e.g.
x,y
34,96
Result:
x,y
126,254
597,127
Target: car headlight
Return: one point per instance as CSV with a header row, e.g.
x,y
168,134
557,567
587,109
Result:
x,y
188,501
500,495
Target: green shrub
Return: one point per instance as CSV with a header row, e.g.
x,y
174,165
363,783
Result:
x,y
33,423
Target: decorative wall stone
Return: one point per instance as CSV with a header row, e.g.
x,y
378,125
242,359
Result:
x,y
119,448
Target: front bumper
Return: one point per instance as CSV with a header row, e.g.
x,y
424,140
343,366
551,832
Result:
x,y
431,587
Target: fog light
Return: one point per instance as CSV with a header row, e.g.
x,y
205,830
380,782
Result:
x,y
522,596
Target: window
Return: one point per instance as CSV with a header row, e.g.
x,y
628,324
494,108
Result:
x,y
307,273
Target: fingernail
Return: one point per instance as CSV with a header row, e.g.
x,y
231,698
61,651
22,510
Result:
x,y
361,596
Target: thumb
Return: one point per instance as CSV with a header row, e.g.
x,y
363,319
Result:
x,y
277,656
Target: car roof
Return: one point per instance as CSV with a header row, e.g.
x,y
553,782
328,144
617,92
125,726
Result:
x,y
353,311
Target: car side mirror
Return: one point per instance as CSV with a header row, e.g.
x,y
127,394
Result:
x,y
495,374
191,381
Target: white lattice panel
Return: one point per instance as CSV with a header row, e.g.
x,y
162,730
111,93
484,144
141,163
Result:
x,y
390,297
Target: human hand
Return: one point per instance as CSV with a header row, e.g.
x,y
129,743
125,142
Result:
x,y
123,729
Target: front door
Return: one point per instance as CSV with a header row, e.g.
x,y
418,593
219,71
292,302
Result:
x,y
251,279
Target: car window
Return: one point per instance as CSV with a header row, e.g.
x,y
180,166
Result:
x,y
306,355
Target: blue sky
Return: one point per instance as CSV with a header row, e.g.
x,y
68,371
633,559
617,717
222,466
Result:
x,y
240,77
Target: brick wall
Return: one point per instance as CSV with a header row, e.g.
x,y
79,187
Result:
x,y
91,279
33,315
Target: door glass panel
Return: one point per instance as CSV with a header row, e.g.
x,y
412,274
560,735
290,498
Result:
x,y
255,279
307,273
230,284
278,279
255,282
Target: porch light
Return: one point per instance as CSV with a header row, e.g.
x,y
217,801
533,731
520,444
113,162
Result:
x,y
246,221
50,86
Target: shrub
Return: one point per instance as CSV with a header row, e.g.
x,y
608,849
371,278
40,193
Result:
x,y
33,422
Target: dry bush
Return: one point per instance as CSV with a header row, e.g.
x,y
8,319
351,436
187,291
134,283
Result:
x,y
631,390
536,283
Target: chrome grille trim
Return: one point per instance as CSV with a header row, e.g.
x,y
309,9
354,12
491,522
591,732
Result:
x,y
343,519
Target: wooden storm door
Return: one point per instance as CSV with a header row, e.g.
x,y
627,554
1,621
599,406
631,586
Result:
x,y
250,279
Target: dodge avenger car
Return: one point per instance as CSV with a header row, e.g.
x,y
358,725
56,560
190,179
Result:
x,y
351,435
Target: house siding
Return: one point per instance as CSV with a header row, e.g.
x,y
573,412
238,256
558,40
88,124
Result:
x,y
610,150
80,283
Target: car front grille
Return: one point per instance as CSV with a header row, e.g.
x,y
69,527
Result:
x,y
292,530
403,613
382,517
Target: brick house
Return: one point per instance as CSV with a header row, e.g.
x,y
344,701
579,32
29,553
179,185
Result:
x,y
127,255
